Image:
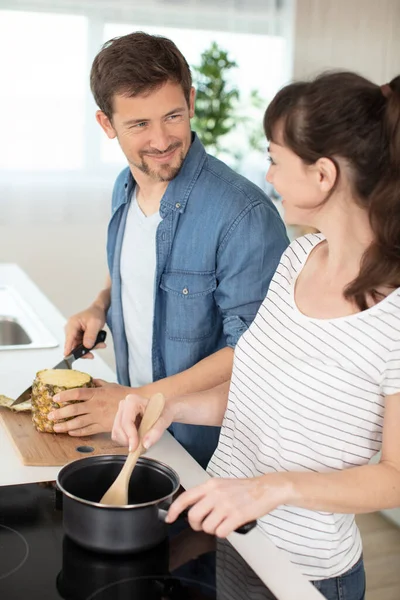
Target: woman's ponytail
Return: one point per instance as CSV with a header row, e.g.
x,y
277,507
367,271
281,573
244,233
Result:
x,y
392,121
380,267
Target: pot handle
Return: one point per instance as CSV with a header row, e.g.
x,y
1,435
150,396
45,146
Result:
x,y
162,513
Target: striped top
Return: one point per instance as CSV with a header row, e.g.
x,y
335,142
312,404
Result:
x,y
308,395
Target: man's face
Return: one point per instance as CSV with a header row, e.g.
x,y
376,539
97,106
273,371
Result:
x,y
153,130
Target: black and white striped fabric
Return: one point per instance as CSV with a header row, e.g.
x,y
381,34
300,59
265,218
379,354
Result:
x,y
308,395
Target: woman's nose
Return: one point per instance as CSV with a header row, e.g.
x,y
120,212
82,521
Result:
x,y
269,175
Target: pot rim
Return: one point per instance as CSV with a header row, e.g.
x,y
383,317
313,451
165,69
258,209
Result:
x,y
124,506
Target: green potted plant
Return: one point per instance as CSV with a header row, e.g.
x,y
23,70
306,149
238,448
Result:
x,y
218,109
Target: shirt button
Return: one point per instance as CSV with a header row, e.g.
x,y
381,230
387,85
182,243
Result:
x,y
185,291
178,205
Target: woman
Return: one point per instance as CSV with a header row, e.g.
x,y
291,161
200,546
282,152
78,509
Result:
x,y
315,388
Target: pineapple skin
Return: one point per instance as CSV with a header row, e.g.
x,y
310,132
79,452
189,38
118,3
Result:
x,y
42,403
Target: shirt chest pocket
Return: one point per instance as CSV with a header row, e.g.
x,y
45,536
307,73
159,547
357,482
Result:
x,y
190,312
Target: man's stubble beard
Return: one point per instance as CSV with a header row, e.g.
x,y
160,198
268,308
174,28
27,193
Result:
x,y
170,174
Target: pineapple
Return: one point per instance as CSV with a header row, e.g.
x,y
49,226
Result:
x,y
22,407
48,383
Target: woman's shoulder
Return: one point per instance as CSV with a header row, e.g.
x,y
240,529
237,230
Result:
x,y
299,249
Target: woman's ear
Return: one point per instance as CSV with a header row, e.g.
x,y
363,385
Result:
x,y
326,173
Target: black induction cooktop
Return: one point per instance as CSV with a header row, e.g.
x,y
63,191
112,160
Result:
x,y
38,562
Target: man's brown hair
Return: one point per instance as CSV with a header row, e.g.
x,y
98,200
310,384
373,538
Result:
x,y
135,64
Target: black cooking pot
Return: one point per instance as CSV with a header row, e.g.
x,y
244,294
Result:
x,y
135,527
138,526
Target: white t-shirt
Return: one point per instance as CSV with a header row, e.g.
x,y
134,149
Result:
x,y
308,395
138,268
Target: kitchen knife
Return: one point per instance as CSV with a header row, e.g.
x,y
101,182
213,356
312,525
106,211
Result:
x,y
66,363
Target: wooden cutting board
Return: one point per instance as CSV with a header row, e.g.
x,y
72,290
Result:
x,y
52,449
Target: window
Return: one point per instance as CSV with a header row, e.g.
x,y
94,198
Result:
x,y
43,90
48,113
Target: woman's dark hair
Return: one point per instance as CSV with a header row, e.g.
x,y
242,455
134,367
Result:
x,y
343,115
135,64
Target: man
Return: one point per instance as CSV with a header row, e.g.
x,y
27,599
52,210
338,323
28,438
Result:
x,y
192,246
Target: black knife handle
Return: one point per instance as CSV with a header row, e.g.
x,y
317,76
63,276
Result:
x,y
80,350
246,527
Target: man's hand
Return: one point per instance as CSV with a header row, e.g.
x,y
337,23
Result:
x,y
83,328
94,414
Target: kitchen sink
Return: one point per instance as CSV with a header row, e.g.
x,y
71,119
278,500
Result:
x,y
11,333
20,327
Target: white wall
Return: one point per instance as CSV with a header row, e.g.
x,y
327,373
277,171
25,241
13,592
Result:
x,y
359,35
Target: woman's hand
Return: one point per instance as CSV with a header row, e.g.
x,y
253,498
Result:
x,y
127,421
220,506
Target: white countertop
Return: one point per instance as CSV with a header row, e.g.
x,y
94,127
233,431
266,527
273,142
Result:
x,y
17,371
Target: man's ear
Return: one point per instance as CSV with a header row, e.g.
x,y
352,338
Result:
x,y
192,98
105,124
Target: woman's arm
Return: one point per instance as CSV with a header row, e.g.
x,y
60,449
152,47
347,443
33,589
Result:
x,y
201,408
222,505
207,374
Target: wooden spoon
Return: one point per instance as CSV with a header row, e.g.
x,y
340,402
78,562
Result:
x,y
117,494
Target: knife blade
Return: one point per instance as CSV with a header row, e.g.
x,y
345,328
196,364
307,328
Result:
x,y
65,363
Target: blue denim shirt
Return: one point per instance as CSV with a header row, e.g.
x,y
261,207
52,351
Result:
x,y
218,245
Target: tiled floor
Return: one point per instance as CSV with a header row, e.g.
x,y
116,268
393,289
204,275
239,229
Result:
x,y
58,237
